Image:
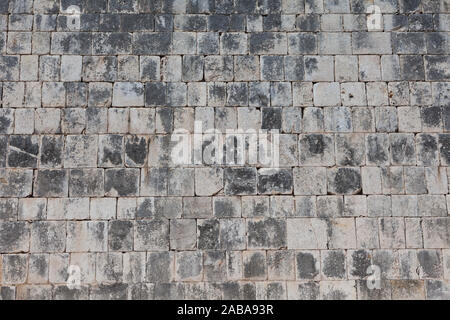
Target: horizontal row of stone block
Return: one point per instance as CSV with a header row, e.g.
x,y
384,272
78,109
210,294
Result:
x,y
213,68
222,6
243,290
166,120
162,234
163,120
306,150
232,94
414,207
266,181
229,43
212,266
293,21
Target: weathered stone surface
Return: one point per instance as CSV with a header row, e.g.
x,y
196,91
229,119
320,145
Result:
x,y
353,173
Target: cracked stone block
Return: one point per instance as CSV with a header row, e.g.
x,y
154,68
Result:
x,y
73,120
23,151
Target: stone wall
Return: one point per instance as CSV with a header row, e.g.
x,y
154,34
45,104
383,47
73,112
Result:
x,y
93,206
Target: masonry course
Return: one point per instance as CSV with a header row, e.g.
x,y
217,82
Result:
x,y
87,179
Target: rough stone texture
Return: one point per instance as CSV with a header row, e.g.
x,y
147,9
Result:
x,y
88,124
